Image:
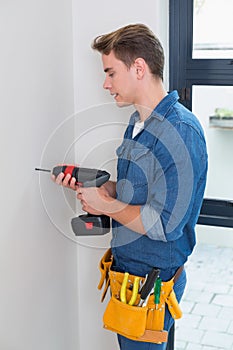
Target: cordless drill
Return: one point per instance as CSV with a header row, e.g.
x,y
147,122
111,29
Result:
x,y
87,224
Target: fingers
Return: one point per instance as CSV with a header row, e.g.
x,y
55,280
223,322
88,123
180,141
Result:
x,y
82,201
65,180
90,199
58,179
73,183
53,178
84,206
79,195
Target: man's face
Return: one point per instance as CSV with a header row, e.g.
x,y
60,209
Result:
x,y
120,80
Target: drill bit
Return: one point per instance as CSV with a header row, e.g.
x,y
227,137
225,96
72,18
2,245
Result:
x,y
46,170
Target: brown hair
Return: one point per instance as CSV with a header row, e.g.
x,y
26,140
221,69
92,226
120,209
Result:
x,y
131,42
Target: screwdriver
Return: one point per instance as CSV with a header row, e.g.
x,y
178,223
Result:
x,y
148,287
157,291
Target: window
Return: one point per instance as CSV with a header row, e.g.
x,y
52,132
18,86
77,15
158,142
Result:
x,y
201,69
205,85
212,29
187,66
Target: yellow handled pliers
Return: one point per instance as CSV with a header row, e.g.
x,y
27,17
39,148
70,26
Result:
x,y
134,291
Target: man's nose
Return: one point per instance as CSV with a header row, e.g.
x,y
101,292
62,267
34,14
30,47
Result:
x,y
106,84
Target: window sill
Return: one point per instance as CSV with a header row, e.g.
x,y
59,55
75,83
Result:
x,y
221,122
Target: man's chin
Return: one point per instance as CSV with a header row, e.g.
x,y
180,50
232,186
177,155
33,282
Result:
x,y
123,104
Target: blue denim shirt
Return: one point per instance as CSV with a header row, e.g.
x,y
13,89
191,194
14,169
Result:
x,y
163,169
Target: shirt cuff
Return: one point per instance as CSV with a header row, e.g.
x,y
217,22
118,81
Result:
x,y
152,223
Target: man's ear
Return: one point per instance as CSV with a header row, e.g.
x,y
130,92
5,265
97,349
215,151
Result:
x,y
140,67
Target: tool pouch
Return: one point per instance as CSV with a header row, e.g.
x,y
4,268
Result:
x,y
104,267
144,323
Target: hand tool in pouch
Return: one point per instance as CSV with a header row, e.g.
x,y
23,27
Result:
x,y
124,289
148,286
157,291
87,224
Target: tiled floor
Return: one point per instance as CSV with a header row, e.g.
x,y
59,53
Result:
x,y
207,322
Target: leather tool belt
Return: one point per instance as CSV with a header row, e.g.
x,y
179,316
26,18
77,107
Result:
x,y
144,323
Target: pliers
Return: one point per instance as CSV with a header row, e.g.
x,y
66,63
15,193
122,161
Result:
x,y
134,291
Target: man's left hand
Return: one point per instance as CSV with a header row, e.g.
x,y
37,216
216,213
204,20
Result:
x,y
94,200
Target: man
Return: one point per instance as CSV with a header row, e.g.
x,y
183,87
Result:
x,y
161,171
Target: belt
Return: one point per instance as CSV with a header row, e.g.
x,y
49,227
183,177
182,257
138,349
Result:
x,y
178,273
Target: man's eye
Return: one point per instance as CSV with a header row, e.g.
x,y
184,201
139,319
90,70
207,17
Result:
x,y
111,75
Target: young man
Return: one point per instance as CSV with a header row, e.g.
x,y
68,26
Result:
x,y
161,171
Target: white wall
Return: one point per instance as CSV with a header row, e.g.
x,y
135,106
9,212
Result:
x,y
99,128
38,293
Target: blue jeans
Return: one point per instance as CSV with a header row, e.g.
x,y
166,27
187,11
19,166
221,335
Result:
x,y
128,344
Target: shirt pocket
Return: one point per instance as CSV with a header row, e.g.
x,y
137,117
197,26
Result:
x,y
140,166
134,168
139,174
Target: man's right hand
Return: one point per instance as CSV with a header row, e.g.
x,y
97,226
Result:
x,y
65,181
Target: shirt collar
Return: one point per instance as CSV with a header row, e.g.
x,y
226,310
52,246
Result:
x,y
161,110
164,106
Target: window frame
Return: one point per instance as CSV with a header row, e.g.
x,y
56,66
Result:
x,y
184,72
189,71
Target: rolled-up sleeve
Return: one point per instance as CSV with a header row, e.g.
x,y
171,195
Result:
x,y
152,223
172,194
